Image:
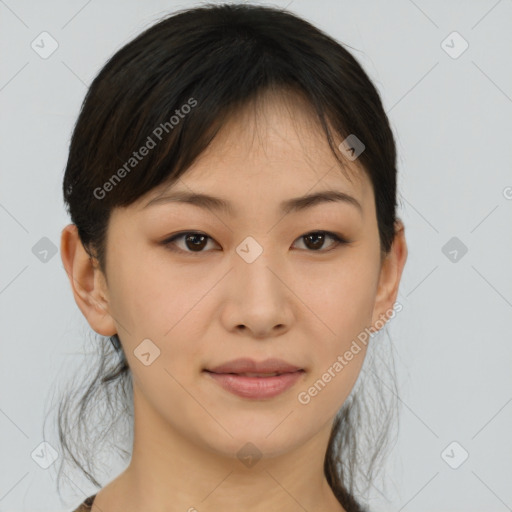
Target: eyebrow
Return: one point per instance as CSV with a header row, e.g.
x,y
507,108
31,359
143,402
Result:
x,y
295,204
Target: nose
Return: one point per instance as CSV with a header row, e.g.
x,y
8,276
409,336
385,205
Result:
x,y
260,301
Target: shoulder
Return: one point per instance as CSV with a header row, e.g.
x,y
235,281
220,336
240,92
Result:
x,y
86,505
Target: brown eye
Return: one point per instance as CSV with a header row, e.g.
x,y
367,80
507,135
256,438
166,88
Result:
x,y
316,240
193,242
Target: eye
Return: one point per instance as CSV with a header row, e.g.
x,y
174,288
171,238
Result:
x,y
195,242
316,239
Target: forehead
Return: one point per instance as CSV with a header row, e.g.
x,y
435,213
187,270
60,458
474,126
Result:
x,y
279,129
273,147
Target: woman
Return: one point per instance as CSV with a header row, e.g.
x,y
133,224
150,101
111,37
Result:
x,y
232,186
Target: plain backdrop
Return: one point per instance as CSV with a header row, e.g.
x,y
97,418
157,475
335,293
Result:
x,y
444,72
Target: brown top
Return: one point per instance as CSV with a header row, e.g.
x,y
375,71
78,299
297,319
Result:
x,y
86,505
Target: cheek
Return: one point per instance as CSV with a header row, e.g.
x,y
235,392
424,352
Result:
x,y
146,297
153,300
339,350
343,306
343,295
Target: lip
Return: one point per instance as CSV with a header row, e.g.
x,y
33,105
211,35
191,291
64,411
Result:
x,y
247,365
228,376
256,387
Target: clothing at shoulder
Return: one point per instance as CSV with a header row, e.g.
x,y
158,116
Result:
x,y
86,505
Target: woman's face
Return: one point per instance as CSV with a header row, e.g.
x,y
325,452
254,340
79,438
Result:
x,y
254,287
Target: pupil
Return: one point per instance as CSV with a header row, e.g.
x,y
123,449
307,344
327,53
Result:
x,y
318,236
199,245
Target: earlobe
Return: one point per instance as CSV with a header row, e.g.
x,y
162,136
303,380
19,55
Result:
x,y
389,279
87,282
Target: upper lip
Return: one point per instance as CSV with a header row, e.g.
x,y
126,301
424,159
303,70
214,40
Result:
x,y
247,365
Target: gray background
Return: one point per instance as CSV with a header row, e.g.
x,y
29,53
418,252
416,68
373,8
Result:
x,y
452,121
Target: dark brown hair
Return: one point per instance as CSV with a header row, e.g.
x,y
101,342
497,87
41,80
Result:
x,y
214,59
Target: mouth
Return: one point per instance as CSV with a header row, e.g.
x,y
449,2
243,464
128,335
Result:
x,y
256,385
249,367
252,374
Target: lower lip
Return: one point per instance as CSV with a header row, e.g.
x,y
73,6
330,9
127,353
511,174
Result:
x,y
256,387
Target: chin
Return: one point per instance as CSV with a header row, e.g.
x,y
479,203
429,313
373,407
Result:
x,y
252,440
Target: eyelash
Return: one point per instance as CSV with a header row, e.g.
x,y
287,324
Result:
x,y
169,242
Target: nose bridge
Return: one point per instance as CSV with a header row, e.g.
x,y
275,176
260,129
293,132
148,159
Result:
x,y
253,263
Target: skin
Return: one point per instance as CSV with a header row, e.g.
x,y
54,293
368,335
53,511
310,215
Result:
x,y
301,304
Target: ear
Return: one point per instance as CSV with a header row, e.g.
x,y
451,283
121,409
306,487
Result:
x,y
390,275
87,282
